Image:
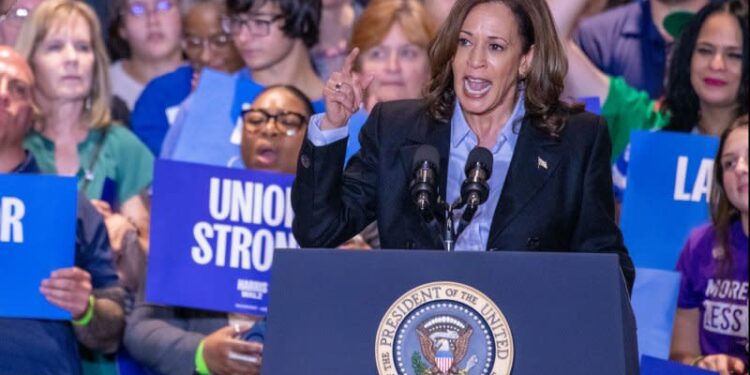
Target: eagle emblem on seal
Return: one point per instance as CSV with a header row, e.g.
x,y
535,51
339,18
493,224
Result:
x,y
444,342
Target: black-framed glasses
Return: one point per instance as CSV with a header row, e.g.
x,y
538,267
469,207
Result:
x,y
287,122
140,9
193,44
256,24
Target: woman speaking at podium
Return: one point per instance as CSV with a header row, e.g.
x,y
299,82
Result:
x,y
497,70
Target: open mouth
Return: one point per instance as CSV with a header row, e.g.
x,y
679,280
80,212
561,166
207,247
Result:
x,y
476,87
266,156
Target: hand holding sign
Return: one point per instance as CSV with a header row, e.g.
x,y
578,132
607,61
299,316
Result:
x,y
722,363
68,288
343,94
218,346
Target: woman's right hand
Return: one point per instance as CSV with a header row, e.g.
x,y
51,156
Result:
x,y
218,347
723,364
343,94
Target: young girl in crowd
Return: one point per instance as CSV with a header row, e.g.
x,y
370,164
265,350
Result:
x,y
206,45
711,325
146,34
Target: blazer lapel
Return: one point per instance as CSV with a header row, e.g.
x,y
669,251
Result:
x,y
535,160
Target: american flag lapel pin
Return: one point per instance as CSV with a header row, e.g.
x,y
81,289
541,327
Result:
x,y
541,163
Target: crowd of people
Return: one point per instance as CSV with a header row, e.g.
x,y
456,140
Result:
x,y
100,89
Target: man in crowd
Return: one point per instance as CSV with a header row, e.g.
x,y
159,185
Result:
x,y
88,290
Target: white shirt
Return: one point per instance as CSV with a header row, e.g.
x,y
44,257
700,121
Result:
x,y
124,86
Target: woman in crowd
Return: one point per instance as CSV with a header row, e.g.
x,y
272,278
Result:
x,y
181,341
392,36
710,328
145,35
73,136
206,45
707,80
496,79
336,23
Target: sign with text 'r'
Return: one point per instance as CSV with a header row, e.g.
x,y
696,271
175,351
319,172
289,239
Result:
x,y
37,236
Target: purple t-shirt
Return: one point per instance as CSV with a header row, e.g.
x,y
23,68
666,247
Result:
x,y
722,299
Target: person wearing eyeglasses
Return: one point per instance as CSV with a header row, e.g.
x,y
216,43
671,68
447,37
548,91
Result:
x,y
172,340
206,45
274,128
274,39
146,34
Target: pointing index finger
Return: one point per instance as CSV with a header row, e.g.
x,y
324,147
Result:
x,y
347,68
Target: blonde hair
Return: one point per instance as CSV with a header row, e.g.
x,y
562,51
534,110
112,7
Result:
x,y
51,14
380,15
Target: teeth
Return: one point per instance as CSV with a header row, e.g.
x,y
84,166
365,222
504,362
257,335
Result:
x,y
476,86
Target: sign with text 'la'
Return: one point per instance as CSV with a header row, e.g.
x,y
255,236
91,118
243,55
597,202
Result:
x,y
37,236
213,234
669,184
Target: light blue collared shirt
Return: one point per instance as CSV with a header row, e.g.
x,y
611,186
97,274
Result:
x,y
463,140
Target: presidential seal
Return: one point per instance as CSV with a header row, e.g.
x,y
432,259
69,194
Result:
x,y
444,328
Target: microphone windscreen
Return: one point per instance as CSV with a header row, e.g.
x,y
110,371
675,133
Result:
x,y
482,156
426,153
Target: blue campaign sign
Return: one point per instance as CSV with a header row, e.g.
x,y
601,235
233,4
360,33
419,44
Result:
x,y
209,123
213,234
37,236
669,183
654,302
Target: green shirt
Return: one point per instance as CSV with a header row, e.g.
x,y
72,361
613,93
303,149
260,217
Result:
x,y
626,110
122,158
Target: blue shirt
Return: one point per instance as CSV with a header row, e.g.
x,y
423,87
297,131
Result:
x,y
625,42
149,119
196,112
34,346
463,140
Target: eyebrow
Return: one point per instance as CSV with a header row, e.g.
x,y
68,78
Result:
x,y
491,37
703,43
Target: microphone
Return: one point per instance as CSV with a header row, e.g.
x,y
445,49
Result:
x,y
475,190
426,166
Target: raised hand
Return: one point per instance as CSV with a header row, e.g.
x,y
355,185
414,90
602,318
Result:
x,y
343,94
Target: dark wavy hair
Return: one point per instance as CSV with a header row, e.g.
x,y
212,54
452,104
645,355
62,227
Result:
x,y
301,17
544,81
723,213
681,101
